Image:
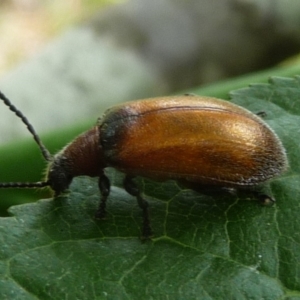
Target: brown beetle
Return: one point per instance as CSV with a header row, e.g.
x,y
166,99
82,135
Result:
x,y
198,141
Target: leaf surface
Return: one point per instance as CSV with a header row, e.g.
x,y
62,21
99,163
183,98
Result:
x,y
205,247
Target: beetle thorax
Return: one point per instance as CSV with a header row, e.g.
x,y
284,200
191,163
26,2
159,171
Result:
x,y
83,156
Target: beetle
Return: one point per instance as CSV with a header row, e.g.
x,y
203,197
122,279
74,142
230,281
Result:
x,y
198,141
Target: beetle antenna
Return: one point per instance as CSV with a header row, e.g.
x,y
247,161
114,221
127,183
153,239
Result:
x,y
30,128
38,184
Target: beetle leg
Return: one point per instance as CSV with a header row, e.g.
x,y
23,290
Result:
x,y
104,186
264,199
133,190
262,196
190,94
261,114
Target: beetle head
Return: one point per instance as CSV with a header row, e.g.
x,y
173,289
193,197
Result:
x,y
58,175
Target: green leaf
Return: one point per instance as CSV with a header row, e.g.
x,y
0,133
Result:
x,y
205,247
